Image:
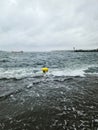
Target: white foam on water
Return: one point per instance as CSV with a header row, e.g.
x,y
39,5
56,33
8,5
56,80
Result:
x,y
17,73
92,73
73,71
68,72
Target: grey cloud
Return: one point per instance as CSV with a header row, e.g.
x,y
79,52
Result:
x,y
47,25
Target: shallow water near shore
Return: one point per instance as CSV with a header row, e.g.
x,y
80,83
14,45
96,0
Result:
x,y
66,98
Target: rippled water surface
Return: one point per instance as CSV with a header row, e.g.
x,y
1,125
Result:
x,y
66,98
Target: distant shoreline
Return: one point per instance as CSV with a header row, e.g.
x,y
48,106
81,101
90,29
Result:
x,y
74,50
80,50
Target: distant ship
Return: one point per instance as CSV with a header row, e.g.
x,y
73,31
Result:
x,y
17,51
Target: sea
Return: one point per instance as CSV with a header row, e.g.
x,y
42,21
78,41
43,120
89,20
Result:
x,y
65,98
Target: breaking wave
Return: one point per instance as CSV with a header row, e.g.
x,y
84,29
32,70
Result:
x,y
20,73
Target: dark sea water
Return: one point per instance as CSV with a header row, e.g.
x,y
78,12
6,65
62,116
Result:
x,y
66,98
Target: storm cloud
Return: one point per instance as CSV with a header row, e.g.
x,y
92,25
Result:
x,y
43,25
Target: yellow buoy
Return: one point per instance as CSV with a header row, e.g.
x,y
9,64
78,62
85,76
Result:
x,y
45,70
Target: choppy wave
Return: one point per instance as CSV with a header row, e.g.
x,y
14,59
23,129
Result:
x,y
17,73
64,98
4,60
20,73
68,72
82,71
9,94
49,103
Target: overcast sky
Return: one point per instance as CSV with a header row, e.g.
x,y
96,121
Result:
x,y
40,25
